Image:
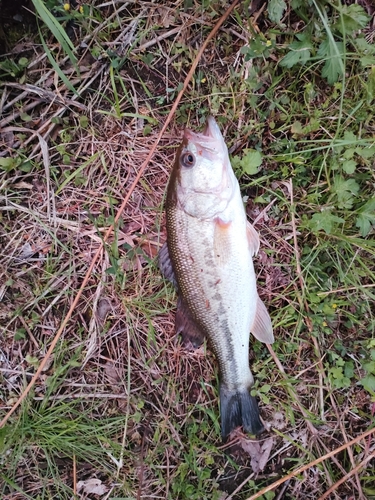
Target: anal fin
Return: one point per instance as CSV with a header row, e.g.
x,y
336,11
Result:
x,y
262,326
186,326
165,265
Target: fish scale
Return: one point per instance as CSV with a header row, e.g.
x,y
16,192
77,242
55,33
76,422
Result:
x,y
209,252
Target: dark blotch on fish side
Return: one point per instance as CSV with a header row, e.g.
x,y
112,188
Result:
x,y
239,408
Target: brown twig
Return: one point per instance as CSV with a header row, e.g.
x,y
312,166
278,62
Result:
x,y
118,215
74,477
347,476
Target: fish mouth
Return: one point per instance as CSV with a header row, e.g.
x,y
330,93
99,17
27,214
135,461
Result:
x,y
212,129
210,139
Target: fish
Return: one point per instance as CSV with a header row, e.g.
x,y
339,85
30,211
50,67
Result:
x,y
208,256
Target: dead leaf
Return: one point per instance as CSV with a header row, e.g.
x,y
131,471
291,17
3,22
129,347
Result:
x,y
278,421
149,248
301,436
125,238
103,308
259,452
22,185
224,496
8,138
26,251
112,373
166,18
92,485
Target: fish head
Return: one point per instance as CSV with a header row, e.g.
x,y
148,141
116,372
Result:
x,y
203,182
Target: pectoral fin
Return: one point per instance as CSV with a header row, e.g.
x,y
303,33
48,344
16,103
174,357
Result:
x,y
262,326
186,325
252,238
222,241
165,265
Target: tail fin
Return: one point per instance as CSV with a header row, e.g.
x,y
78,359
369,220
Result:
x,y
239,408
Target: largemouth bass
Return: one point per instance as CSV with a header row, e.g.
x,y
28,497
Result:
x,y
208,257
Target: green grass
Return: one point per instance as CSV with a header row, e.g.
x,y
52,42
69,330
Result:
x,y
121,399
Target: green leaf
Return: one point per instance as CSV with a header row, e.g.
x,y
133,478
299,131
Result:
x,y
369,366
55,65
250,162
276,10
324,221
75,173
61,36
349,369
349,153
353,18
26,166
366,153
366,217
8,164
32,360
348,166
370,87
367,61
265,388
258,47
332,52
300,51
345,191
350,137
23,62
291,59
25,117
269,495
55,27
83,121
368,383
20,334
297,128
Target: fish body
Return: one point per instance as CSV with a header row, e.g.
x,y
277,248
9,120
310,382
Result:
x,y
208,255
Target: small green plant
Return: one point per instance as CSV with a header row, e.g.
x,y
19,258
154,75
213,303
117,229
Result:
x,y
334,39
368,364
11,68
248,163
340,372
53,24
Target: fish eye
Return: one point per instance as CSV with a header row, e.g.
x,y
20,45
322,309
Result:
x,y
187,159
